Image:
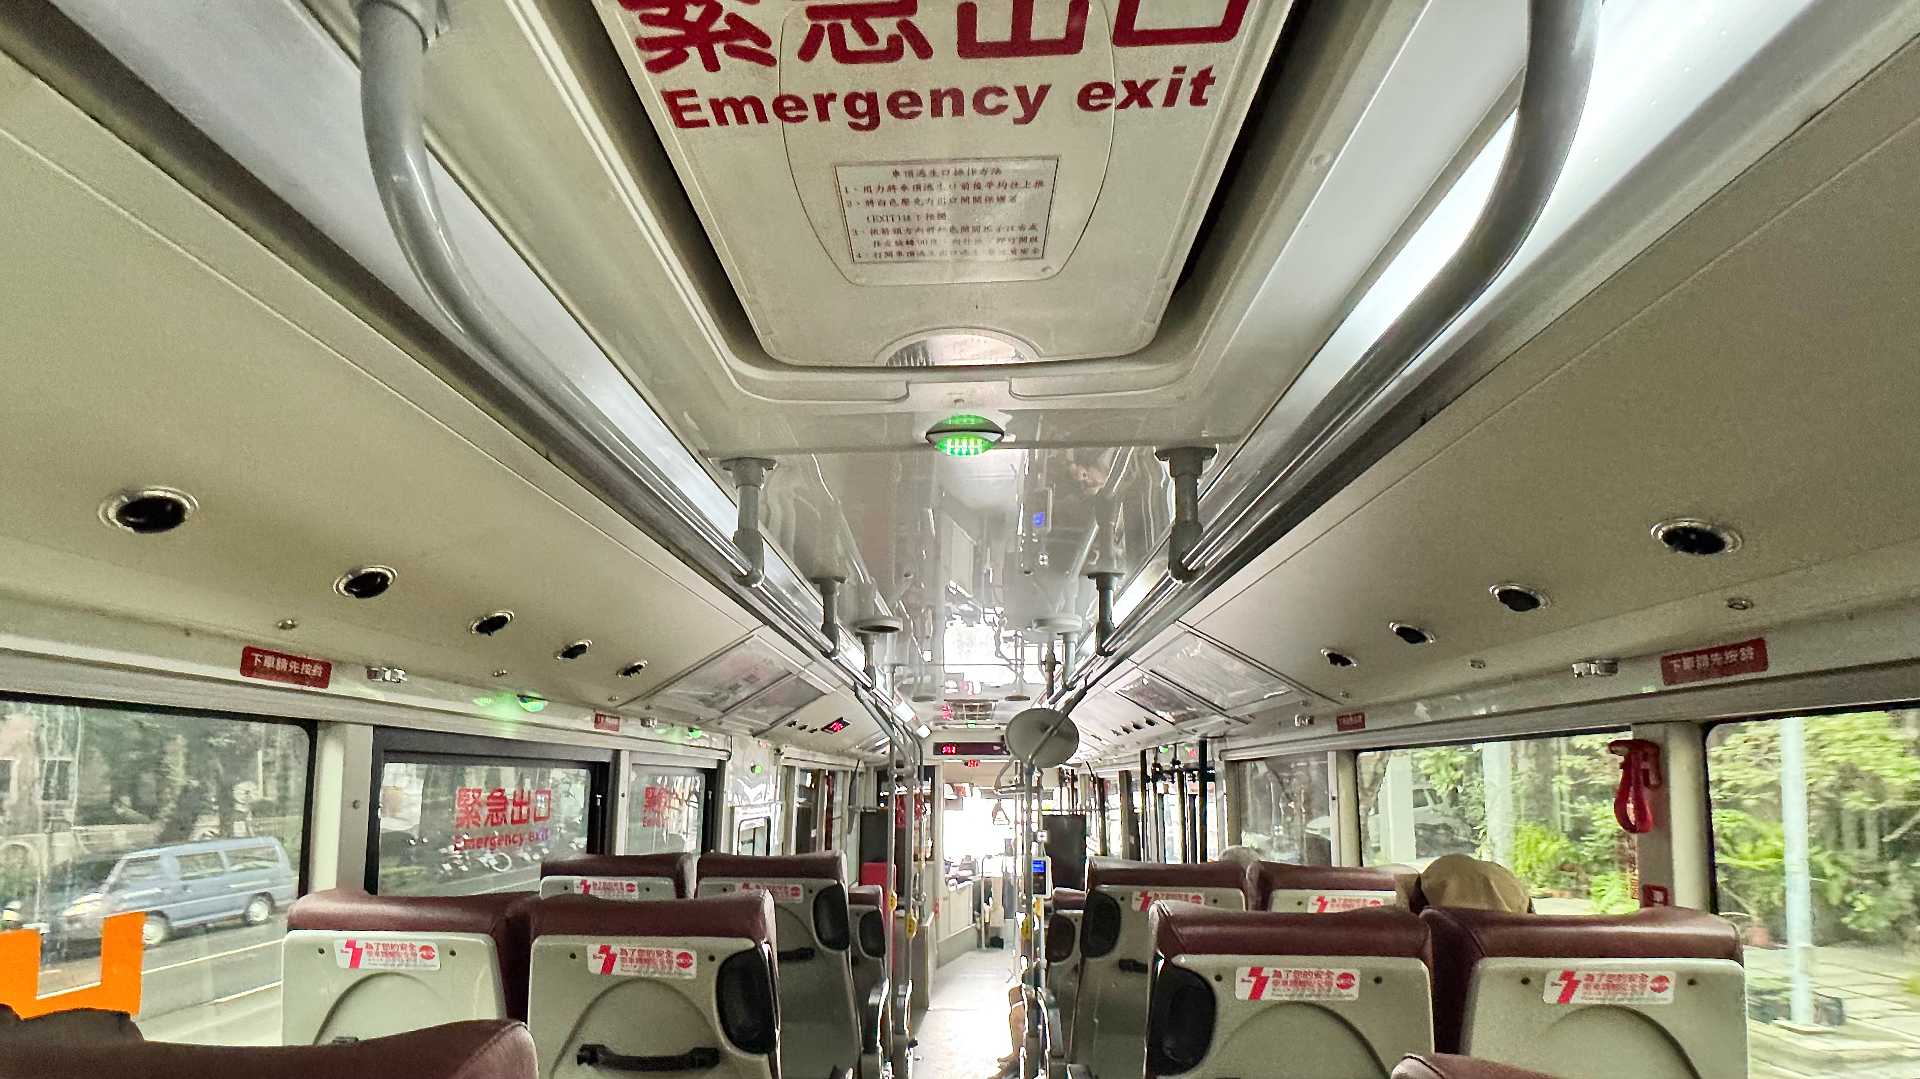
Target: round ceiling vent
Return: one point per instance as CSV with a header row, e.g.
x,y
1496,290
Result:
x,y
1692,536
1337,658
367,582
488,625
1410,634
1518,598
148,511
574,650
633,669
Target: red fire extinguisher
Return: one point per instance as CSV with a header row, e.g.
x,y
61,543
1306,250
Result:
x,y
1639,774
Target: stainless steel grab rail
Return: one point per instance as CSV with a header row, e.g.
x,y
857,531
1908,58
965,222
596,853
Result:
x,y
1562,36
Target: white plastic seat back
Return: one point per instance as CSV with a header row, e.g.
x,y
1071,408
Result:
x,y
1063,958
1116,948
621,877
820,1022
1319,889
673,987
1293,996
1660,992
356,966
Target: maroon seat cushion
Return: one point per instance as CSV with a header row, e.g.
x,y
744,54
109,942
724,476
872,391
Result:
x,y
1440,1066
1270,877
1462,937
1068,899
489,1049
1388,932
866,895
823,866
500,915
677,868
747,915
79,1026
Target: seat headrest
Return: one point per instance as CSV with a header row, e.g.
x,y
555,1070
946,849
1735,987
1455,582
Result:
x,y
76,1027
1440,1066
1068,899
676,867
499,915
1194,875
823,866
747,915
1655,933
490,1049
1270,877
1388,932
866,895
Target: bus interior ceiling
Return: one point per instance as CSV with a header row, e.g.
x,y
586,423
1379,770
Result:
x,y
296,551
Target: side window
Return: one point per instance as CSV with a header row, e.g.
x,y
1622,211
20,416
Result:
x,y
93,796
1542,807
200,866
465,825
666,809
1816,836
755,837
1286,808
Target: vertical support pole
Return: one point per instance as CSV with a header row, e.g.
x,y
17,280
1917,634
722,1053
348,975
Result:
x,y
1397,809
1496,773
1129,838
1343,773
1793,820
1206,792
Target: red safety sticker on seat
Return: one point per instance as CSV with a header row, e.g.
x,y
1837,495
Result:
x,y
1296,983
356,954
1143,900
1610,987
781,893
607,888
1336,902
638,961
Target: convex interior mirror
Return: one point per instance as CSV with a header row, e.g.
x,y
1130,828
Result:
x,y
1042,737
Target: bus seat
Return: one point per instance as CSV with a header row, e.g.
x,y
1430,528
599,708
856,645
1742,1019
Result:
x,y
812,931
1116,946
496,1049
69,1027
1439,1066
1291,995
675,986
1655,992
363,966
1319,889
626,877
1064,910
870,967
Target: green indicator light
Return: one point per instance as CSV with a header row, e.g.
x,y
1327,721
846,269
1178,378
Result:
x,y
965,435
532,703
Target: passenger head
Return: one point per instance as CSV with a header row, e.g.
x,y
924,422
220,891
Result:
x,y
1242,855
1460,880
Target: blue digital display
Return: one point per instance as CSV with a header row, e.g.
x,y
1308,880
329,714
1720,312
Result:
x,y
1040,519
1040,865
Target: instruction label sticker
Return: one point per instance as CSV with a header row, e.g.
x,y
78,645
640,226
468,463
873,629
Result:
x,y
1148,899
634,961
969,210
1296,983
607,888
352,954
1337,902
781,893
1610,987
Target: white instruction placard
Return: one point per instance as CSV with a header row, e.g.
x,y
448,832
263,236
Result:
x,y
1609,987
608,888
359,954
781,892
637,961
1296,983
964,211
1143,900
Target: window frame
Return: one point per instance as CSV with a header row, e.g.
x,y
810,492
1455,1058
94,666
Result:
x,y
401,745
302,877
708,777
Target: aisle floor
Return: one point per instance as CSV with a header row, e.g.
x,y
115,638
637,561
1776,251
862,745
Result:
x,y
963,1032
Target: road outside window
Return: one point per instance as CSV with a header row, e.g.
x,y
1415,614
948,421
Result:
x,y
195,821
458,826
1542,807
1816,825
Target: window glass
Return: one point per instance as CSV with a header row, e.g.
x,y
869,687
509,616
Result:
x,y
1816,828
251,858
665,809
1542,807
754,837
102,803
1286,809
462,826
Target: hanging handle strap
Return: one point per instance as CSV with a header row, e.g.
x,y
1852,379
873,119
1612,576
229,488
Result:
x,y
1639,774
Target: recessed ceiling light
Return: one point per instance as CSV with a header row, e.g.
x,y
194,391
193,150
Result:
x,y
367,582
148,511
1409,633
1519,598
1336,658
574,650
1694,536
490,624
965,435
634,668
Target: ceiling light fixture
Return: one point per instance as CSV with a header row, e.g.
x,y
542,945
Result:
x,y
488,625
1697,537
367,582
965,435
149,510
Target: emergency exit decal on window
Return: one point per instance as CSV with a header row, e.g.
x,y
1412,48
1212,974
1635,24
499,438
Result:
x,y
635,961
1610,987
1720,661
517,818
361,954
1296,983
281,667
